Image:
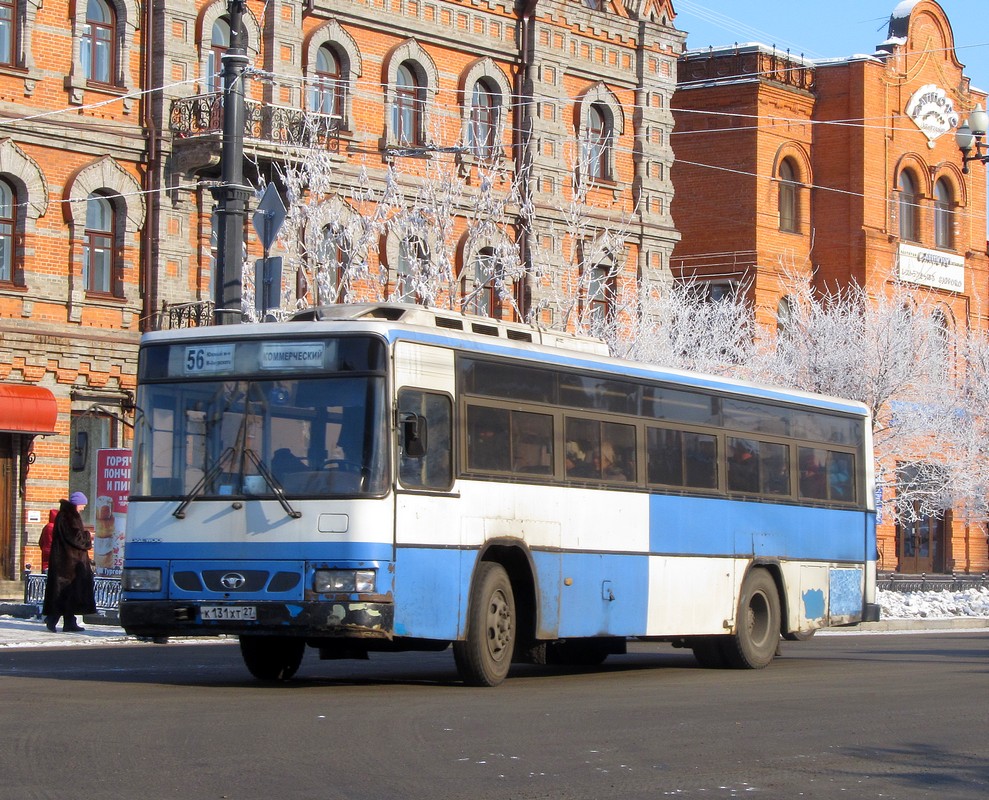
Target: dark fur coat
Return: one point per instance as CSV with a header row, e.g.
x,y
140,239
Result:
x,y
69,588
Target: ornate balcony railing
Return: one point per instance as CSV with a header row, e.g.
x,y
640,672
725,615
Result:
x,y
202,115
185,315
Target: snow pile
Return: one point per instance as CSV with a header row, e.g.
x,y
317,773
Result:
x,y
972,602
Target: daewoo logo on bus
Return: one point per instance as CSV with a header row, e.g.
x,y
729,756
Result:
x,y
233,580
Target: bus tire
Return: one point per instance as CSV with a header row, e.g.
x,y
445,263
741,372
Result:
x,y
799,636
272,658
483,658
757,634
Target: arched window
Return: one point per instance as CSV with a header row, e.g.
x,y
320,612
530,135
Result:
x,y
98,248
944,215
907,207
218,46
8,228
788,198
596,146
478,283
327,89
8,32
413,256
483,129
98,48
407,110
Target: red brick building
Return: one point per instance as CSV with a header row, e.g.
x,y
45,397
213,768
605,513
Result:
x,y
847,171
110,143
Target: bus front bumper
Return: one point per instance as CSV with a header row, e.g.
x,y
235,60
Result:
x,y
163,618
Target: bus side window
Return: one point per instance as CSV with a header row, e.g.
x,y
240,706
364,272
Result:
x,y
775,467
532,443
434,468
743,465
841,473
701,457
487,439
812,462
665,456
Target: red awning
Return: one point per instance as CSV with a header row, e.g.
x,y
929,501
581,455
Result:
x,y
27,409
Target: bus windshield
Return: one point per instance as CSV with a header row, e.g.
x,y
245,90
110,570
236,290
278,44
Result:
x,y
322,436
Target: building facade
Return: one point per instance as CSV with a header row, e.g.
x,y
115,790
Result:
x,y
508,159
840,172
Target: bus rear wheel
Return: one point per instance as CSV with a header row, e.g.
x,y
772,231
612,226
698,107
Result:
x,y
757,635
272,658
483,658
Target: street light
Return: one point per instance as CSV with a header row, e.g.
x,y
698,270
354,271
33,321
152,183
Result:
x,y
971,134
231,194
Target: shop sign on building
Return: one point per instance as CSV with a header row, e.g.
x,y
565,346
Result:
x,y
932,111
112,490
931,268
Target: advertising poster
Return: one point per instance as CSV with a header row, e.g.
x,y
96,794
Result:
x,y
112,490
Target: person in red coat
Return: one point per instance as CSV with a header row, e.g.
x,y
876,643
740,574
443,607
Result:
x,y
69,587
45,542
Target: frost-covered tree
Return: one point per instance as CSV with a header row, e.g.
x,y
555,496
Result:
x,y
676,326
891,350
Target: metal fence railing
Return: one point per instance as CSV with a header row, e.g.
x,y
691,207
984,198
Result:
x,y
898,582
107,591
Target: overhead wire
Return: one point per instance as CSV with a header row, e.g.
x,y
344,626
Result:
x,y
374,93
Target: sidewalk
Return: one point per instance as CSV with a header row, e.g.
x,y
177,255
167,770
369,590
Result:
x,y
27,630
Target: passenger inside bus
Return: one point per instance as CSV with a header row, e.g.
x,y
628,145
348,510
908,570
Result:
x,y
743,466
289,470
580,462
610,470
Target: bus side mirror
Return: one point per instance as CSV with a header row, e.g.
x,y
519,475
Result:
x,y
414,436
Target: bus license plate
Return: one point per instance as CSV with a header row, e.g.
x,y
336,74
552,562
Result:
x,y
240,613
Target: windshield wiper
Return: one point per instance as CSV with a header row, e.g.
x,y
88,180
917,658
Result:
x,y
272,482
179,513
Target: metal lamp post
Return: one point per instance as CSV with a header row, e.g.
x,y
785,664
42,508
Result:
x,y
231,195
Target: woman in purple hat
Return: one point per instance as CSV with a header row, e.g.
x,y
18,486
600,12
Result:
x,y
69,588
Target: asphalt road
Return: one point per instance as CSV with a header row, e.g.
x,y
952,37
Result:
x,y
841,716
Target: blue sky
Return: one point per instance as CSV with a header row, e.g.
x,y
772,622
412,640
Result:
x,y
827,28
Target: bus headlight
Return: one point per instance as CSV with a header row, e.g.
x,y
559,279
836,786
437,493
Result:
x,y
141,580
344,581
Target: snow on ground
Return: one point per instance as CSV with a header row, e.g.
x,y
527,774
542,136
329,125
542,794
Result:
x,y
972,602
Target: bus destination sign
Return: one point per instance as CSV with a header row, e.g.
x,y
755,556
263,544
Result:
x,y
291,355
208,359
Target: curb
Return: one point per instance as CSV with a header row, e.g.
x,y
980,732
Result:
x,y
918,623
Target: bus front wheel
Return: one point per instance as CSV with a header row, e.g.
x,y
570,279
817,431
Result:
x,y
757,635
272,658
485,655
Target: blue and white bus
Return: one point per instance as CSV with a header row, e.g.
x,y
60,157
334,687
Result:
x,y
384,477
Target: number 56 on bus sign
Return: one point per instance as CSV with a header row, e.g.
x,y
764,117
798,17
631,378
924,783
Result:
x,y
208,359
